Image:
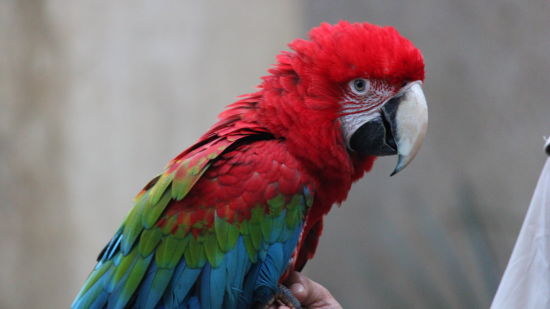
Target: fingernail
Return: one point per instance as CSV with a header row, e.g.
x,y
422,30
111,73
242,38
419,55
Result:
x,y
297,288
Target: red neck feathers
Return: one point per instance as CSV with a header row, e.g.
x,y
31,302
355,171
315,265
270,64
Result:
x,y
300,101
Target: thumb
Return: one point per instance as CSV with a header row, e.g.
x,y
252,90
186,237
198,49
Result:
x,y
309,292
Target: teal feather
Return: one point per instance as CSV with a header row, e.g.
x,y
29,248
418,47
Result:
x,y
237,264
278,226
153,286
269,273
178,290
125,288
231,265
245,299
99,302
213,282
96,291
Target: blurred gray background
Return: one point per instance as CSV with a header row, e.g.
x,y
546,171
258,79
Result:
x,y
96,96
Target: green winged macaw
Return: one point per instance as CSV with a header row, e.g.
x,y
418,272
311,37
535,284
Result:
x,y
233,214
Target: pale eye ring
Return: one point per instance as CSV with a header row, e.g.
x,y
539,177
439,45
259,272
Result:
x,y
359,86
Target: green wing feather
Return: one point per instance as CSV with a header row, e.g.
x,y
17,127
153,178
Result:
x,y
142,243
125,266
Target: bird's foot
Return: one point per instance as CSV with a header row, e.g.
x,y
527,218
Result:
x,y
283,297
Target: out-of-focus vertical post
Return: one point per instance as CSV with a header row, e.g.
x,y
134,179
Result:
x,y
95,97
34,218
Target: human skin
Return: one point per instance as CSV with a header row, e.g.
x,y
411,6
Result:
x,y
309,293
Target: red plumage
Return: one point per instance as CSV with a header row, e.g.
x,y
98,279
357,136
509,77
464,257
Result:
x,y
238,210
299,105
310,82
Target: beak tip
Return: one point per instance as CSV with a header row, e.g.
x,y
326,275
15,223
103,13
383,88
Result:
x,y
401,164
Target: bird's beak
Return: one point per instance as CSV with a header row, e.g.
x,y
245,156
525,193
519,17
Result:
x,y
399,129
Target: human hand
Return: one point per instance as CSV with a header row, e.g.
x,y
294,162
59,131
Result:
x,y
309,293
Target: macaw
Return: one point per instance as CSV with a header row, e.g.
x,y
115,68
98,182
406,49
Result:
x,y
235,213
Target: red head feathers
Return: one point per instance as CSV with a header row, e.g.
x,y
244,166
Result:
x,y
249,197
344,51
308,92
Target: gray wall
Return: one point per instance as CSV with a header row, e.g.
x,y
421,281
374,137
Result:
x,y
439,234
96,96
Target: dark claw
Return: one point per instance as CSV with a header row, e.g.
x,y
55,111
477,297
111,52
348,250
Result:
x,y
286,297
283,297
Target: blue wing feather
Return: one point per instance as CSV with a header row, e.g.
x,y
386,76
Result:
x,y
236,282
153,286
213,282
178,290
237,264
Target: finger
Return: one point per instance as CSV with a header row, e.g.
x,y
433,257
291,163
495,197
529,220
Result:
x,y
295,283
278,307
307,291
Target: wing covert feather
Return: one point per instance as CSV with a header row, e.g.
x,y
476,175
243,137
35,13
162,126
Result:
x,y
217,227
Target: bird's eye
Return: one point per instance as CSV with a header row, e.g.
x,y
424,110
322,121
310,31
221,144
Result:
x,y
359,86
